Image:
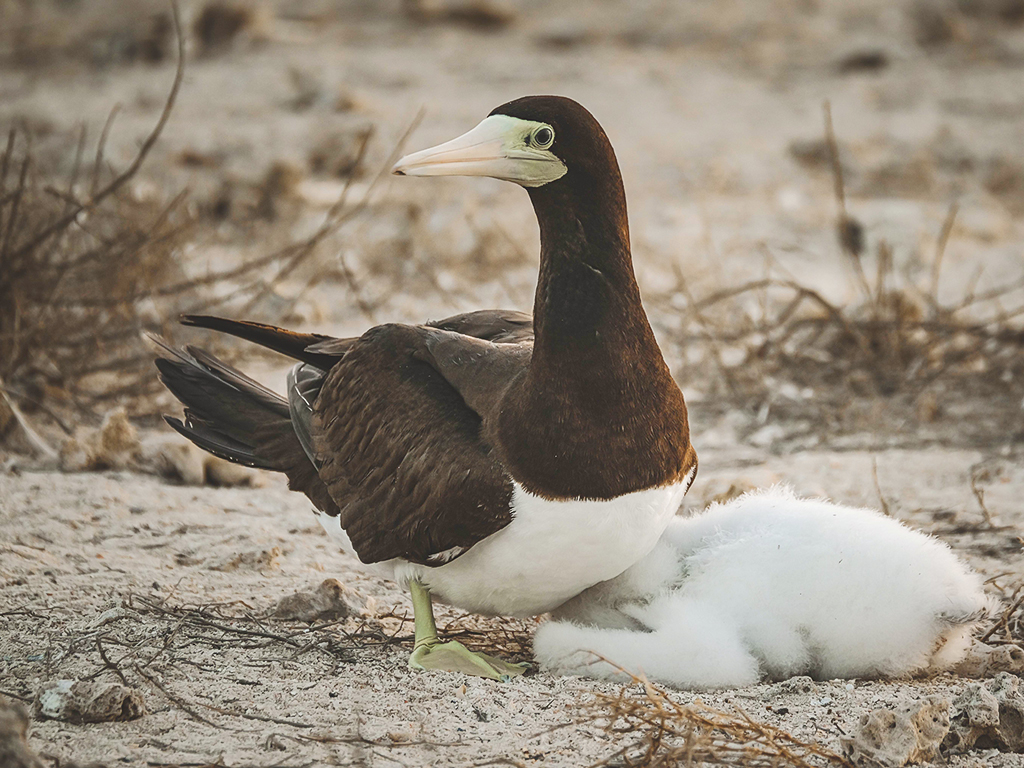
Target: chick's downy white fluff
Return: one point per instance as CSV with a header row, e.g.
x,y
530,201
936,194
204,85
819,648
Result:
x,y
770,586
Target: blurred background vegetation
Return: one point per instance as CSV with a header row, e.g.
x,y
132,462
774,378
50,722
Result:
x,y
826,198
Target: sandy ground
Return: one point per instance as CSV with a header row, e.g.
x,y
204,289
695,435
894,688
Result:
x,y
714,109
77,546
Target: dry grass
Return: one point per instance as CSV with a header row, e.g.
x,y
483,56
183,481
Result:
x,y
660,732
86,266
1007,628
149,641
897,338
150,635
74,255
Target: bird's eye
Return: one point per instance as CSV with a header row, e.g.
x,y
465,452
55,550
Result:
x,y
543,137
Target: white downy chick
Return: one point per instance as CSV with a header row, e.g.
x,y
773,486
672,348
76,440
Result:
x,y
768,586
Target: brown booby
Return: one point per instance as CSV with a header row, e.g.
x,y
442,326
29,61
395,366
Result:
x,y
500,462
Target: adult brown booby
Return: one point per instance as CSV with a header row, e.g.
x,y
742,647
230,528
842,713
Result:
x,y
500,462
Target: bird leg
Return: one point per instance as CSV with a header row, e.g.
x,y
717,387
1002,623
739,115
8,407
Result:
x,y
431,653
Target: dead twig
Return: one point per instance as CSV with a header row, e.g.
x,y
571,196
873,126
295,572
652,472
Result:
x,y
147,145
979,495
662,732
34,438
878,488
940,251
182,705
1007,624
847,228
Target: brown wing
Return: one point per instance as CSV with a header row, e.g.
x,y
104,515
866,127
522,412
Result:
x,y
501,326
402,453
480,371
497,325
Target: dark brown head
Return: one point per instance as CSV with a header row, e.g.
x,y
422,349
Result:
x,y
534,141
558,151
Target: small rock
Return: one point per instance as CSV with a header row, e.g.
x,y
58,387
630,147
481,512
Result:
x,y
798,684
173,457
481,15
277,191
264,560
332,600
910,734
108,617
81,701
115,445
987,715
984,661
275,741
871,60
566,33
226,474
220,24
14,749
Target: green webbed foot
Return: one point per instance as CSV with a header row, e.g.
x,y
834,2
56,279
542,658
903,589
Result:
x,y
455,657
430,653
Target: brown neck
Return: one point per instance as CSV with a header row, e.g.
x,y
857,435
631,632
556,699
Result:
x,y
599,414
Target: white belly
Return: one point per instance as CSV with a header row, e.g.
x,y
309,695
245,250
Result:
x,y
550,552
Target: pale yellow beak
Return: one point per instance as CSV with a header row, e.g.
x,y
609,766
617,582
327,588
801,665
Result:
x,y
498,147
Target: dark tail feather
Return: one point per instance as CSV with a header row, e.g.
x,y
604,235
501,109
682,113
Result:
x,y
238,419
278,339
225,410
217,443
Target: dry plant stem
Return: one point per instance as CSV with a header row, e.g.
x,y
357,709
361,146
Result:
x,y
183,706
331,222
356,288
1002,624
971,297
835,313
667,733
695,309
62,223
61,271
34,437
979,495
878,488
19,192
839,190
838,187
75,169
97,165
940,252
94,272
336,216
41,406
